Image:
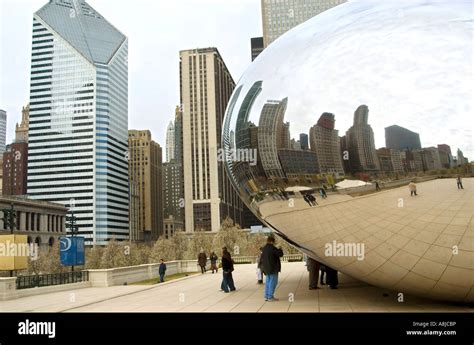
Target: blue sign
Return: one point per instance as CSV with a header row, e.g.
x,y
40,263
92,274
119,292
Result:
x,y
72,251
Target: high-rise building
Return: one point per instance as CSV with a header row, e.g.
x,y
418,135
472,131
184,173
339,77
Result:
x,y
385,160
173,200
3,130
400,138
431,159
206,86
78,135
21,130
304,141
170,142
461,160
279,16
445,156
15,168
360,143
256,45
271,135
145,170
397,163
324,140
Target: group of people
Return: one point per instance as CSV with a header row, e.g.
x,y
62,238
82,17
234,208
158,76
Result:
x,y
314,267
202,262
227,284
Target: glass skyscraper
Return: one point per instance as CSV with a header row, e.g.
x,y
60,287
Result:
x,y
78,140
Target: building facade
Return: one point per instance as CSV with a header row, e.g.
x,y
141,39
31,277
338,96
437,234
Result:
x,y
3,131
324,140
21,130
173,192
431,159
15,169
400,138
445,156
79,117
279,16
256,46
170,142
360,143
145,172
205,87
43,222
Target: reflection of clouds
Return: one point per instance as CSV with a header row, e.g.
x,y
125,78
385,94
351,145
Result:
x,y
399,58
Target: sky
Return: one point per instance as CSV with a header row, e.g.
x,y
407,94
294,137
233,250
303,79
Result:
x,y
157,30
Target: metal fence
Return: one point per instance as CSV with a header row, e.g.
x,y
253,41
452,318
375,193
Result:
x,y
40,280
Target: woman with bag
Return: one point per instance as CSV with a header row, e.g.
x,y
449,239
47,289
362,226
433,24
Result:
x,y
227,268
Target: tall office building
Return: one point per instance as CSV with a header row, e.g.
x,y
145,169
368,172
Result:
x,y
79,117
461,160
15,163
400,138
324,140
445,156
360,143
431,159
279,16
256,46
21,130
206,86
170,142
304,141
145,170
271,137
3,130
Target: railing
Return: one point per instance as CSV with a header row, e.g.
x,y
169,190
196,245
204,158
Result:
x,y
40,280
253,259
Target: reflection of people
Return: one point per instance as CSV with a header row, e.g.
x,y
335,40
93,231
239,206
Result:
x,y
313,269
321,278
459,182
323,193
412,187
271,267
331,277
259,268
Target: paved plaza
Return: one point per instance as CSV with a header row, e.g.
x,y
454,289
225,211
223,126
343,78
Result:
x,y
200,293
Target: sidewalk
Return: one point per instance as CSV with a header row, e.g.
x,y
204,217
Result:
x,y
200,293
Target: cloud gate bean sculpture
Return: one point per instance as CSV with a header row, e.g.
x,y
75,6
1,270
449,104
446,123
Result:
x,y
359,124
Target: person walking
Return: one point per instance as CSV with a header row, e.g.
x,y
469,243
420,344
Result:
x,y
377,186
312,199
227,269
259,268
313,269
202,261
306,198
459,182
162,271
331,277
271,267
322,191
412,188
321,277
213,257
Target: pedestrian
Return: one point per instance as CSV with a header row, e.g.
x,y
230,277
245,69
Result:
x,y
459,182
227,269
377,187
312,199
259,268
202,261
313,269
213,257
162,271
321,277
331,277
323,193
412,187
271,267
306,198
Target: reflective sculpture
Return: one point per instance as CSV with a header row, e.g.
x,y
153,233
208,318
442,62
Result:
x,y
333,127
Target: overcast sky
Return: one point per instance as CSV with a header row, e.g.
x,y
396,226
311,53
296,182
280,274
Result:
x,y
157,30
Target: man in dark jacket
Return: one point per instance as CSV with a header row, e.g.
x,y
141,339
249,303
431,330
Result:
x,y
162,271
202,261
227,268
271,266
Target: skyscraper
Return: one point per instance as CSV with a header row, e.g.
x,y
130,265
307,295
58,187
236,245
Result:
x,y
79,117
279,16
360,143
170,142
445,156
324,140
3,130
206,86
145,169
21,130
304,142
400,138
